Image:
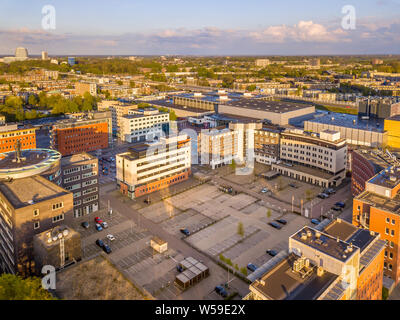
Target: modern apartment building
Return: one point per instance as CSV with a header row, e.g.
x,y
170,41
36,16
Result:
x,y
92,132
319,160
143,125
118,110
11,133
262,62
378,209
28,206
82,87
381,108
151,166
218,147
336,262
80,175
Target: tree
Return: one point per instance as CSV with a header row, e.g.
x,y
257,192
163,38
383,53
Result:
x,y
269,213
33,100
14,102
240,229
13,287
172,115
308,194
243,270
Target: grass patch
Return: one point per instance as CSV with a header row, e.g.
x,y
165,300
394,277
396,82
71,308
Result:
x,y
337,109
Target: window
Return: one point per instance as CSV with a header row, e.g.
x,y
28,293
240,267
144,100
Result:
x,y
392,233
58,205
390,267
391,255
393,222
391,244
35,212
58,218
36,225
387,220
387,231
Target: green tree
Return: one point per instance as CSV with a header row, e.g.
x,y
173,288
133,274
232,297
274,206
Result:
x,y
240,229
243,270
14,102
33,100
14,287
269,213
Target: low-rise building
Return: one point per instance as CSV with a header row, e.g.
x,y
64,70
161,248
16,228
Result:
x,y
392,127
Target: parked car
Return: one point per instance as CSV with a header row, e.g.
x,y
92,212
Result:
x,y
329,191
104,225
110,237
107,249
221,291
337,208
293,185
100,243
340,204
315,221
275,225
323,195
179,268
97,219
264,190
99,227
281,221
85,225
186,232
252,267
272,253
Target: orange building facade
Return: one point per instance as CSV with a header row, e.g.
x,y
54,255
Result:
x,y
79,137
9,138
378,209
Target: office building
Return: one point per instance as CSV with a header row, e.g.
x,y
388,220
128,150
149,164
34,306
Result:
x,y
152,166
80,175
118,110
335,262
319,160
21,54
377,209
71,61
45,55
28,206
267,144
89,133
11,133
143,125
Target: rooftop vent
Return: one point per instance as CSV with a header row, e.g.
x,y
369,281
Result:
x,y
309,233
320,272
317,235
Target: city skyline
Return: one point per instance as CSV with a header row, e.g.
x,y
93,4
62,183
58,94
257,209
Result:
x,y
223,28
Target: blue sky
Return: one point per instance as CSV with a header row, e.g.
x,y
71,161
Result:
x,y
201,27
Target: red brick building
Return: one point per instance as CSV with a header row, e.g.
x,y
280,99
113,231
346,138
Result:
x,y
75,136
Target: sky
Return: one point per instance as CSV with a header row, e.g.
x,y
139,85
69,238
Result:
x,y
202,27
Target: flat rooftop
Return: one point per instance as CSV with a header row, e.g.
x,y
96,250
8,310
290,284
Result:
x,y
388,178
76,158
266,105
307,170
30,157
36,188
378,159
281,283
324,243
348,121
167,103
381,202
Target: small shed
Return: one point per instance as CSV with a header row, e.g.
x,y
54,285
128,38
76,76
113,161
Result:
x,y
193,272
158,244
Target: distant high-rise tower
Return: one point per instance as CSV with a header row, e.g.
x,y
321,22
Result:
x,y
21,53
45,56
71,61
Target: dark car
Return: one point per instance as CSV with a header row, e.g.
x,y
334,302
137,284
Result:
x,y
252,267
186,232
179,268
272,253
315,221
221,291
329,191
85,225
293,185
340,204
275,225
107,249
336,208
323,196
100,243
282,221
